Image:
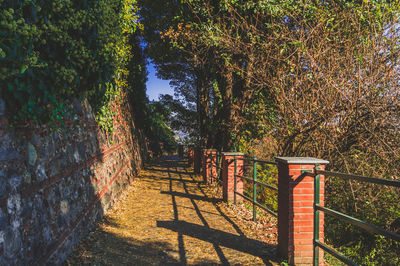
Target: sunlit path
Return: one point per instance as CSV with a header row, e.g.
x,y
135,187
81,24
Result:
x,y
171,217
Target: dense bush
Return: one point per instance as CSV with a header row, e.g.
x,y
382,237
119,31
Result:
x,y
160,131
54,50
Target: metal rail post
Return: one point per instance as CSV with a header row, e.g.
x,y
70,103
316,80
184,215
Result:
x,y
234,178
316,216
254,188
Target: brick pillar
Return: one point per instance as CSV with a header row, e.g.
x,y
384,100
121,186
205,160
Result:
x,y
209,156
190,156
228,179
197,160
296,208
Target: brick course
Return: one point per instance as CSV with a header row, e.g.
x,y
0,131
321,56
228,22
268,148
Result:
x,y
209,172
228,179
296,210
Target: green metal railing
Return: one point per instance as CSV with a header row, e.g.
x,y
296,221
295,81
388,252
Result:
x,y
359,223
255,182
215,161
217,164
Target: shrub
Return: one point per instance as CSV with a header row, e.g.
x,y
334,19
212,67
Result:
x,y
54,50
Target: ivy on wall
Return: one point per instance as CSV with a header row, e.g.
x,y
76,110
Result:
x,y
54,50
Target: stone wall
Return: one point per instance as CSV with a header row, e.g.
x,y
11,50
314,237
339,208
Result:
x,y
55,185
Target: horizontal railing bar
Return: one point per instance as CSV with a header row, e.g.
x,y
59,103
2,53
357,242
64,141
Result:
x,y
258,204
359,223
244,159
266,162
258,182
266,185
335,253
258,161
381,181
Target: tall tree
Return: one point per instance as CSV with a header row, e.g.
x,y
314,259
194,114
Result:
x,y
174,63
321,77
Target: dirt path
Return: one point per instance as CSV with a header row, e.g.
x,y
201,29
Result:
x,y
170,217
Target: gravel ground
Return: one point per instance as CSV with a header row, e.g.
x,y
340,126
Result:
x,y
169,217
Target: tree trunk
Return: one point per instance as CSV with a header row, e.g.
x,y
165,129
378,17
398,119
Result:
x,y
203,105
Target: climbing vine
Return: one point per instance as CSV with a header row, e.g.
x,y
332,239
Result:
x,y
52,51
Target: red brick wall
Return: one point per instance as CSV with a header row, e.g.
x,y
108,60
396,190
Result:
x,y
228,179
208,158
296,212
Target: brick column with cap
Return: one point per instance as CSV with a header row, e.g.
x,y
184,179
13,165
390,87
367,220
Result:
x,y
228,178
190,156
209,157
296,208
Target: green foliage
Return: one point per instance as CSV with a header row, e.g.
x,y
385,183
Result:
x,y
268,174
172,63
182,117
54,50
105,114
369,203
159,130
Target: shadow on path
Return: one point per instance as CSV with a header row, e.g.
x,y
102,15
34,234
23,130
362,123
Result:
x,y
170,171
170,217
239,243
191,196
205,233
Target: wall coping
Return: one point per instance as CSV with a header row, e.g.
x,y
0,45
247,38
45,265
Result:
x,y
232,153
300,160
